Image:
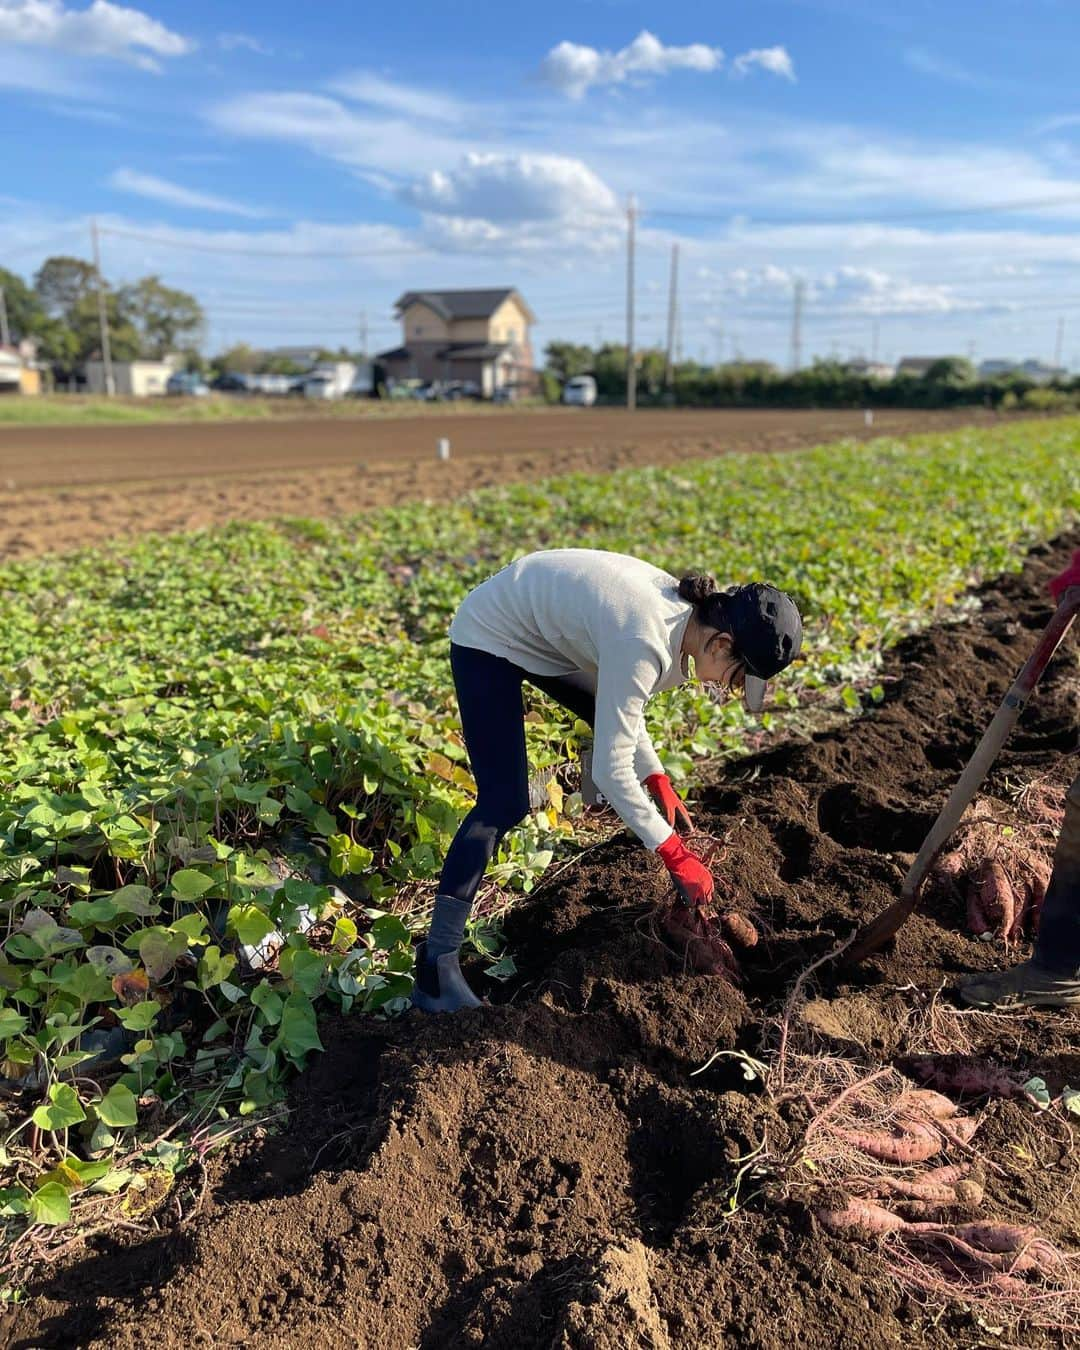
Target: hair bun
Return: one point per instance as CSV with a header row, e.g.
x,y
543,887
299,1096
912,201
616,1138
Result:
x,y
696,588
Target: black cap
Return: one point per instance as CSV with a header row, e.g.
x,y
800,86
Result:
x,y
766,627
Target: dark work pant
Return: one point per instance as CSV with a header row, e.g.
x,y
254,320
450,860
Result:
x,y
1057,947
493,721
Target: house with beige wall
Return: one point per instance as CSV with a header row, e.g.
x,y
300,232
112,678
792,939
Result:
x,y
134,379
480,336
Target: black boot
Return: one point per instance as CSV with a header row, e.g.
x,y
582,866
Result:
x,y
439,985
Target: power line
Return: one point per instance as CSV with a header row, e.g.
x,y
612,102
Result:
x,y
985,208
244,251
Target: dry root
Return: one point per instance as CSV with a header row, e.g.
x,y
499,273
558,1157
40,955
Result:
x,y
1000,862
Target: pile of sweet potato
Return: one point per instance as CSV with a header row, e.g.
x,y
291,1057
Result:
x,y
930,1213
999,864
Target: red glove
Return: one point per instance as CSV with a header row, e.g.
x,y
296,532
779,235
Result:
x,y
668,800
1070,577
692,878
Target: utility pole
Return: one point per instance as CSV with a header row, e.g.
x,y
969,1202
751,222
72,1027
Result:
x,y
1057,345
363,333
5,335
103,317
672,303
631,361
796,326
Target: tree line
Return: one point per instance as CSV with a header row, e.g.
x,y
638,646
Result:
x,y
949,382
59,310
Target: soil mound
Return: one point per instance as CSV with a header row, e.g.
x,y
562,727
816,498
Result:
x,y
556,1170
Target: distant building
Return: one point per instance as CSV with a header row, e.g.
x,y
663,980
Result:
x,y
473,337
304,357
1038,372
1042,373
134,379
918,365
871,370
19,370
991,370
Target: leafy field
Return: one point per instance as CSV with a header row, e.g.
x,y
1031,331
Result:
x,y
181,714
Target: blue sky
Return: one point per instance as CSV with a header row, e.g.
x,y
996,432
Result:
x,y
916,166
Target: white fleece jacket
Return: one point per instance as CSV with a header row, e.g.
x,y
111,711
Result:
x,y
609,616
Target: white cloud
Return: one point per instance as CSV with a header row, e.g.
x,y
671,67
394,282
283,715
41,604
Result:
x,y
364,141
574,69
161,190
365,87
104,29
231,42
773,59
514,188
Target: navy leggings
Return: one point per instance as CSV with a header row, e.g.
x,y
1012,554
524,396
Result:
x,y
493,720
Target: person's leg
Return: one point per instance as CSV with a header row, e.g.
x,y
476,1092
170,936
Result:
x,y
576,693
1057,946
492,718
1051,979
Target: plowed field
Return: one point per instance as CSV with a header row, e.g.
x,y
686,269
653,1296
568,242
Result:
x,y
65,487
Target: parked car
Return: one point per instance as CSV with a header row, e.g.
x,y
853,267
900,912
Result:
x,y
580,390
232,382
185,383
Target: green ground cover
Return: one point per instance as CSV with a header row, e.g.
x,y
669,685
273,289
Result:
x,y
85,410
174,712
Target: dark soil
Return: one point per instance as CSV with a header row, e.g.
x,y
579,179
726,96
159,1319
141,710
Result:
x,y
550,1172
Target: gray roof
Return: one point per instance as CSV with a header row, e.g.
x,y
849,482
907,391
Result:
x,y
463,304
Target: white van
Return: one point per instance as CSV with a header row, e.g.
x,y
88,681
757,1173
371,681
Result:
x,y
580,390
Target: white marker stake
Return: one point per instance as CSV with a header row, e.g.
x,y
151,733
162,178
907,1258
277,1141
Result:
x,y
868,417
444,448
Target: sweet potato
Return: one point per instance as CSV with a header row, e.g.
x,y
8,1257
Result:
x,y
960,1130
859,1217
926,1102
971,1077
948,1175
965,1195
739,928
996,898
914,1142
1010,1237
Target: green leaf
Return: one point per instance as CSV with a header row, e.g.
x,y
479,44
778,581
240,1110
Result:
x,y
503,969
306,970
50,1204
190,885
11,1023
62,1110
1070,1099
298,1032
388,931
344,934
118,1107
92,913
160,951
140,1017
214,968
14,1201
135,900
250,924
1039,1093
268,1001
